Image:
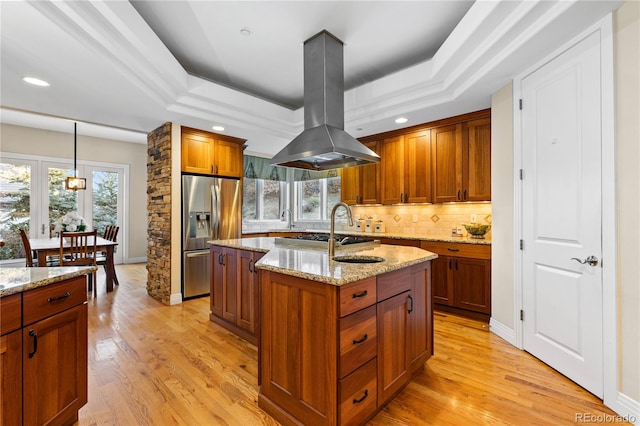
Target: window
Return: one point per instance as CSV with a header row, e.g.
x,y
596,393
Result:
x,y
263,199
315,198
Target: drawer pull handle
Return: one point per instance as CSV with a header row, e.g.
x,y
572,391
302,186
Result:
x,y
35,342
358,295
364,338
411,306
64,296
358,401
452,249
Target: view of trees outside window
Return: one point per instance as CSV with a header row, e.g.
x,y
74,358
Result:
x,y
61,201
310,199
105,200
271,200
333,194
249,206
15,198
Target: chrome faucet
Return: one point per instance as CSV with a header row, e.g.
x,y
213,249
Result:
x,y
290,222
333,225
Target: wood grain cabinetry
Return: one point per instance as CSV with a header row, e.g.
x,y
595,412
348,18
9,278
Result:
x,y
50,353
11,360
234,291
211,154
461,278
369,336
444,161
361,184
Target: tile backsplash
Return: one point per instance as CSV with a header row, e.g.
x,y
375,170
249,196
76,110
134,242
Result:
x,y
426,219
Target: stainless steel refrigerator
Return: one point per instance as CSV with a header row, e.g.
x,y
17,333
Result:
x,y
211,210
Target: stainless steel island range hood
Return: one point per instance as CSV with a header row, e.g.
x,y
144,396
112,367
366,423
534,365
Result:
x,y
324,144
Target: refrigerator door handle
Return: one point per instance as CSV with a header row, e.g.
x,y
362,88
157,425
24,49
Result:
x,y
198,254
215,211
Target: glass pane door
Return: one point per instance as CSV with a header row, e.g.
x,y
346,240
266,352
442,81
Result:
x,y
57,200
106,201
15,205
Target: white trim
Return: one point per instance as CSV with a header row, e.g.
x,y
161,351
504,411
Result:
x,y
502,331
175,299
517,213
626,407
612,398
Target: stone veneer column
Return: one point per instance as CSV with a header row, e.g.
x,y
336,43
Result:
x,y
159,213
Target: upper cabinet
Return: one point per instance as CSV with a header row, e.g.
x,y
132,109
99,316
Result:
x,y
444,161
211,154
361,184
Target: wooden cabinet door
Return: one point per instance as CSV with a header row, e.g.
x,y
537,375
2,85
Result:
x,y
350,185
370,178
393,359
441,280
420,339
230,286
472,284
476,179
11,378
55,367
392,164
197,153
446,155
217,281
418,167
248,290
227,159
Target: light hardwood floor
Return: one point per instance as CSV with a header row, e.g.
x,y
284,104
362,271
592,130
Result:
x,y
151,364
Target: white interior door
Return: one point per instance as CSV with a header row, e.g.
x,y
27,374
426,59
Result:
x,y
562,219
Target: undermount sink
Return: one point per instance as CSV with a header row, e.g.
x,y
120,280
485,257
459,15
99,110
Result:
x,y
359,259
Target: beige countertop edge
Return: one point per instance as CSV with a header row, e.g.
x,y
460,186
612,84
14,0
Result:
x,y
18,280
315,265
421,237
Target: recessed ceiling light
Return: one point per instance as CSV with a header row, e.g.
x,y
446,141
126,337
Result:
x,y
401,120
245,32
35,81
218,128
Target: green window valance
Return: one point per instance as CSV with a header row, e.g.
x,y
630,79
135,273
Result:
x,y
261,168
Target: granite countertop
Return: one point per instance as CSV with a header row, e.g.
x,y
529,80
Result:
x,y
400,236
315,264
17,280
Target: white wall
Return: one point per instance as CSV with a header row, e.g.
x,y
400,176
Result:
x,y
27,140
627,74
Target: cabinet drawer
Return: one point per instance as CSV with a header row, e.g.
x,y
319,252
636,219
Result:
x,y
476,251
10,313
358,339
356,296
358,394
49,300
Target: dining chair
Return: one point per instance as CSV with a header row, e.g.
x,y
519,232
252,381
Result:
x,y
111,234
31,260
79,249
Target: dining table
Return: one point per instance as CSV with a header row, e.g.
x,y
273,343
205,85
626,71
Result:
x,y
44,247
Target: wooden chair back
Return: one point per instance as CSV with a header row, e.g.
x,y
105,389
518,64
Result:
x,y
111,232
80,249
27,248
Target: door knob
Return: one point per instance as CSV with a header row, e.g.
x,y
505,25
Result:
x,y
591,260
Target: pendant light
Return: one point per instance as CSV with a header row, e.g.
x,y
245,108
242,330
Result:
x,y
75,183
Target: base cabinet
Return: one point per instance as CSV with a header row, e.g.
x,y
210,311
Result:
x,y
45,360
369,337
461,279
234,291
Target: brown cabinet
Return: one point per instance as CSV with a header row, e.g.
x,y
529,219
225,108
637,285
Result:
x,y
11,360
361,184
211,154
461,278
369,336
462,161
46,359
234,291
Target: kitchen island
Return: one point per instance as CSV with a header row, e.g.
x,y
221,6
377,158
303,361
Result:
x,y
337,340
43,327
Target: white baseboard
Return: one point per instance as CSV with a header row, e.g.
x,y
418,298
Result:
x,y
503,331
175,299
626,408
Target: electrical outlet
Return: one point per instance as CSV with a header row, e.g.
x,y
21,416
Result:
x,y
474,218
415,218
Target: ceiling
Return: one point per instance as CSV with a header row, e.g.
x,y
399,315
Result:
x,y
124,68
